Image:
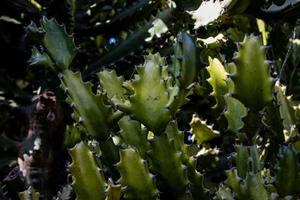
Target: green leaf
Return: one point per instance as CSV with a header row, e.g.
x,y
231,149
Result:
x,y
262,29
235,112
196,179
286,107
90,109
59,45
134,135
39,59
247,160
254,188
71,136
29,194
218,81
185,60
35,33
252,124
253,86
179,99
88,183
110,155
287,178
224,193
135,176
198,190
112,85
235,34
201,131
185,69
249,188
113,192
242,161
177,136
233,181
159,27
246,180
254,161
167,164
288,112
272,119
152,95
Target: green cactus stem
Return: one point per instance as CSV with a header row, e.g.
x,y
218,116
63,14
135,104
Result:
x,y
134,134
90,110
113,191
135,176
112,85
171,173
185,61
252,83
245,180
59,46
201,131
287,178
235,112
218,81
287,109
152,95
89,183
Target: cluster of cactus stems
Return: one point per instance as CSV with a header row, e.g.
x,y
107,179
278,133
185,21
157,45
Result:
x,y
133,148
126,141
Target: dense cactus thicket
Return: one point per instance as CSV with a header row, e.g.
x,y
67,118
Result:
x,y
166,99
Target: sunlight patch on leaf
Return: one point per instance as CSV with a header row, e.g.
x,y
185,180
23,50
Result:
x,y
9,20
212,40
208,12
159,27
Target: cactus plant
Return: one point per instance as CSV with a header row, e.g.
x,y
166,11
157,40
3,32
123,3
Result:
x,y
157,100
